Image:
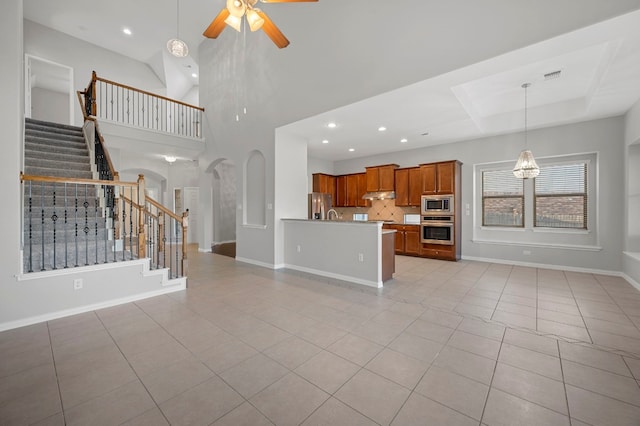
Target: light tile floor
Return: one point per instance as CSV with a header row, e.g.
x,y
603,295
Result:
x,y
463,343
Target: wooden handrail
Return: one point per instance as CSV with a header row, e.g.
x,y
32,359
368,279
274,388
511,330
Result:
x,y
124,86
97,129
55,179
163,209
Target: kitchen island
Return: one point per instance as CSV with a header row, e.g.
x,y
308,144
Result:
x,y
354,251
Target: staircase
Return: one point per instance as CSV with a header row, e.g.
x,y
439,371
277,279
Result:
x,y
64,224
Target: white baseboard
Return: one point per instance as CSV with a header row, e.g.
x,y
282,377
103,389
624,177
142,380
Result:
x,y
88,308
335,276
256,262
545,266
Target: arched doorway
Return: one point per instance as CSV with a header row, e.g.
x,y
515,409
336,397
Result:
x,y
223,207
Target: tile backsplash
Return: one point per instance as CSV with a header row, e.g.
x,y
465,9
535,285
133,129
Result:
x,y
379,210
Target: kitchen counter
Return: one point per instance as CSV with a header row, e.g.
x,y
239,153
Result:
x,y
355,251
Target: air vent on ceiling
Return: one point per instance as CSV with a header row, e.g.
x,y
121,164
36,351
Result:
x,y
425,134
552,75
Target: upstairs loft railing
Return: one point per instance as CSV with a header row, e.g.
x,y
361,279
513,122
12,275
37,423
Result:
x,y
71,222
115,102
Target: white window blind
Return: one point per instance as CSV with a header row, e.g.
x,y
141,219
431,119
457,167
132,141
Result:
x,y
502,199
560,196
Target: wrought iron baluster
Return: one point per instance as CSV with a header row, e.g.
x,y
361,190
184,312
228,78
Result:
x,y
76,226
164,240
30,228
124,224
131,224
86,224
106,213
66,230
54,219
42,221
96,226
170,246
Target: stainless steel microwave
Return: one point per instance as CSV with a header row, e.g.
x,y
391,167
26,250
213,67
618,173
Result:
x,y
437,204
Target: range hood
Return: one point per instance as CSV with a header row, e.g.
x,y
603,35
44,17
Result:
x,y
379,195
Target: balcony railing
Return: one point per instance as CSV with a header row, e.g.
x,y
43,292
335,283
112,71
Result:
x,y
115,102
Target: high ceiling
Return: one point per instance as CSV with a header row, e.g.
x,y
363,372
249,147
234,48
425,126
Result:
x,y
599,76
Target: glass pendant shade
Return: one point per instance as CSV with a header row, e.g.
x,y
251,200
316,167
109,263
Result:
x,y
178,48
236,8
234,22
254,20
526,166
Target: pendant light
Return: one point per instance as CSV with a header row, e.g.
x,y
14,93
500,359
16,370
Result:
x,y
526,166
177,47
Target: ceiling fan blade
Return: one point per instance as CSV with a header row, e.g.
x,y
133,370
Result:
x,y
273,32
287,1
216,27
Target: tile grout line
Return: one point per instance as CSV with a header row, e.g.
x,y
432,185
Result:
x,y
578,306
564,382
495,367
55,368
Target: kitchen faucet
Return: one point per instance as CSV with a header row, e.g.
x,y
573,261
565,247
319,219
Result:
x,y
329,214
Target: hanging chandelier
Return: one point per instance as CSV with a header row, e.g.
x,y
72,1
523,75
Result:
x,y
177,47
526,166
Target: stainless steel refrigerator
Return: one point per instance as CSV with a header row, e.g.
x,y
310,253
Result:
x,y
319,205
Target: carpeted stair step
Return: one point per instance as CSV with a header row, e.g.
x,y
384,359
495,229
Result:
x,y
45,171
56,164
66,256
39,148
55,138
70,157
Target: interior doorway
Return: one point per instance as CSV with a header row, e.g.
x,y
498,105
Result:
x,y
48,91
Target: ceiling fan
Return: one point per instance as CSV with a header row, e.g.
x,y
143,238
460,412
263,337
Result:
x,y
257,19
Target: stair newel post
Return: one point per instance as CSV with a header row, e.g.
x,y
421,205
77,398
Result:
x,y
185,226
94,107
142,235
161,237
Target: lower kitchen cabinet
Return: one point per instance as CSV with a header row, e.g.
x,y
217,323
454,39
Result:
x,y
439,251
407,239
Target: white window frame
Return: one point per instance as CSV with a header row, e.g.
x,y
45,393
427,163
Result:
x,y
579,239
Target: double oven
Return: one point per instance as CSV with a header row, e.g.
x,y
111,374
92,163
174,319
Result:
x,y
437,219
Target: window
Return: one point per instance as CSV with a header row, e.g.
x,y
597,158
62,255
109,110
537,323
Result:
x,y
560,196
502,199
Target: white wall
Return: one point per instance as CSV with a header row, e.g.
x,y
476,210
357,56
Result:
x,y
631,265
49,105
11,116
84,58
602,136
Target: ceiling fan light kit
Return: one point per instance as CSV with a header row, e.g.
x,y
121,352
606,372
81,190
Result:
x,y
232,15
526,166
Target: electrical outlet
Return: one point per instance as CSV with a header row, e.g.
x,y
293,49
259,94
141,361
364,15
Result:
x,y
77,284
361,257
269,206
299,248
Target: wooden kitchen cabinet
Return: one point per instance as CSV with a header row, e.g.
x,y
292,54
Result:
x,y
352,190
440,178
326,184
407,239
341,191
438,251
408,187
362,189
381,178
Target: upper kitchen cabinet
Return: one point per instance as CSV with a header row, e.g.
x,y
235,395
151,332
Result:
x,y
381,178
362,189
326,184
440,178
341,191
408,187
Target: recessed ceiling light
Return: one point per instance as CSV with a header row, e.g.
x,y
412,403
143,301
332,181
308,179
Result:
x,y
325,141
404,140
332,125
351,149
127,31
382,129
194,75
